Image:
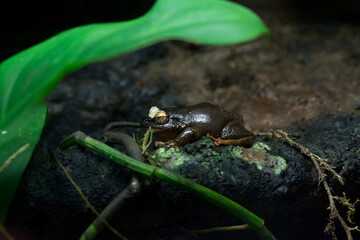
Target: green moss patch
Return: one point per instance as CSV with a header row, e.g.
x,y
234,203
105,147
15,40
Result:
x,y
206,155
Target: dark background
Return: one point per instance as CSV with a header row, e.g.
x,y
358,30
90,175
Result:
x,y
30,22
26,23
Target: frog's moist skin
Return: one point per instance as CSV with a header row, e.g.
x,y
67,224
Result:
x,y
179,126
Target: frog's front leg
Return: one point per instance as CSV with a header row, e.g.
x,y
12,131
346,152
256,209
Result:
x,y
186,136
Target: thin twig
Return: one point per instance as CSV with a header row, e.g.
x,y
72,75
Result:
x,y
195,232
320,164
113,125
223,229
350,206
147,140
5,233
14,155
88,204
133,188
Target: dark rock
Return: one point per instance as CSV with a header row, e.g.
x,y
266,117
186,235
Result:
x,y
290,200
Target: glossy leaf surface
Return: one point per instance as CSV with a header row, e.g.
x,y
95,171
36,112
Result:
x,y
29,76
16,145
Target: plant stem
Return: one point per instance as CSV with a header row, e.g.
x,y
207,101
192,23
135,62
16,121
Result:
x,y
113,125
148,171
132,190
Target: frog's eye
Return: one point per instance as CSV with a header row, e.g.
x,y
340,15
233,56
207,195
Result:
x,y
161,117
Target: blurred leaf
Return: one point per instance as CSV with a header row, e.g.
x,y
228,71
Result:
x,y
16,145
26,78
29,76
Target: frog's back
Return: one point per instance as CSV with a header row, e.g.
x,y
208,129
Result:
x,y
206,117
215,112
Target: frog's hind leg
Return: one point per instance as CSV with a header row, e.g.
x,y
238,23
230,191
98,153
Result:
x,y
245,142
234,133
186,136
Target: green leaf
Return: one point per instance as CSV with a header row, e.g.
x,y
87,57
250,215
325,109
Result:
x,y
26,78
17,143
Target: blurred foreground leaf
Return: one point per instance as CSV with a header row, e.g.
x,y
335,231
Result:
x,y
26,78
16,145
29,76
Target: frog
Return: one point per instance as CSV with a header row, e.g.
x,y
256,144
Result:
x,y
178,126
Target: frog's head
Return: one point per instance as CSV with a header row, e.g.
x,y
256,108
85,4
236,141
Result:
x,y
165,126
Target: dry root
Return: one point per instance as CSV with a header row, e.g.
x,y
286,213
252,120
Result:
x,y
321,165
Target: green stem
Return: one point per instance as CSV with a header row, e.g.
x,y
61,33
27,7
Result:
x,y
133,189
148,171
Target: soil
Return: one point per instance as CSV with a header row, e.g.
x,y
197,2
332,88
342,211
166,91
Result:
x,y
304,69
309,68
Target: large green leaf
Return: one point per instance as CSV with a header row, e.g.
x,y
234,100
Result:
x,y
16,146
26,78
29,76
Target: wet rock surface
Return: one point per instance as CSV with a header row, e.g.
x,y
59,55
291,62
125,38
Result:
x,y
287,199
46,198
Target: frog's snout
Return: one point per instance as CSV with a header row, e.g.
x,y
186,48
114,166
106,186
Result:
x,y
145,123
